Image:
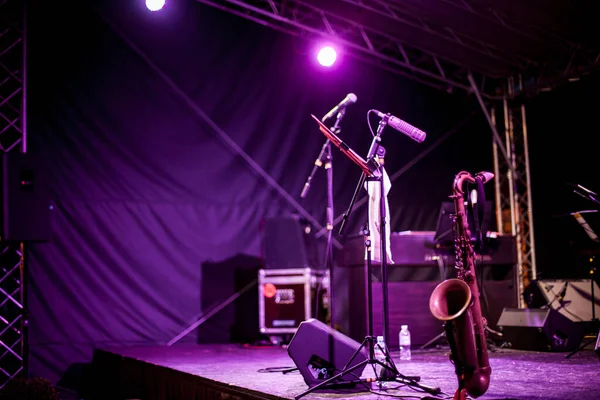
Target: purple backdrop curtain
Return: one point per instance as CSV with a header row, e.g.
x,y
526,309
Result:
x,y
146,191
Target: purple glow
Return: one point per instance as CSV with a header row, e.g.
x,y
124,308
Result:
x,y
155,5
327,56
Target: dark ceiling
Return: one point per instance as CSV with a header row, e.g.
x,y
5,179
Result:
x,y
438,42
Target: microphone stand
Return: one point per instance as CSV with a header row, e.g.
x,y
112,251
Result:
x,y
594,324
377,150
389,371
325,159
586,193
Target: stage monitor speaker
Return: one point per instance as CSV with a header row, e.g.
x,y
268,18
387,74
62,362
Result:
x,y
27,208
321,352
572,298
540,330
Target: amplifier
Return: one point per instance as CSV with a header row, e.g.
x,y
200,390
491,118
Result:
x,y
288,242
409,290
287,297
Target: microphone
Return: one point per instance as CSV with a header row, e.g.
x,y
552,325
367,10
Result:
x,y
484,176
350,99
404,127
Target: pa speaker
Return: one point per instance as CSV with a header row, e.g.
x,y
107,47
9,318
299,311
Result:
x,y
321,352
540,330
26,205
571,298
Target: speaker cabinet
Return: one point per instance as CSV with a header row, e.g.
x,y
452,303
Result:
x,y
572,298
26,205
321,352
540,330
288,242
224,280
409,290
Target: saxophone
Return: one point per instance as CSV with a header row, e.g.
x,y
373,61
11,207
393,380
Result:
x,y
456,302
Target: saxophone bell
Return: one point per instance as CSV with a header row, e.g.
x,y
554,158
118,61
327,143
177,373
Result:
x,y
450,299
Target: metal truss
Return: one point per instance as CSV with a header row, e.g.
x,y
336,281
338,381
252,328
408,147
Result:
x,y
12,84
513,188
13,323
310,19
579,63
574,62
371,44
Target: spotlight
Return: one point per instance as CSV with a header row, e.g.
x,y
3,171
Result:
x,y
155,5
327,56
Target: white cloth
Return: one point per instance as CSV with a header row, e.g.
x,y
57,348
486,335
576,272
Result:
x,y
374,191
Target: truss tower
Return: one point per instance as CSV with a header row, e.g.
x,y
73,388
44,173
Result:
x,y
13,320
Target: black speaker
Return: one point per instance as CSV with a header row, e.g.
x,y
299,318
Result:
x,y
540,330
26,205
220,282
321,352
288,242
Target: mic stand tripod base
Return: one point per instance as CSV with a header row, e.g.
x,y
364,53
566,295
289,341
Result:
x,y
389,371
595,326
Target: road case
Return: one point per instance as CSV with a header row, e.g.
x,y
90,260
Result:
x,y
289,296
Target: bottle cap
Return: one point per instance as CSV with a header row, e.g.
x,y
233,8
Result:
x,y
403,326
380,338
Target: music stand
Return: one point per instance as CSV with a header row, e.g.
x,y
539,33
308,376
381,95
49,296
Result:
x,y
595,322
594,198
371,171
444,238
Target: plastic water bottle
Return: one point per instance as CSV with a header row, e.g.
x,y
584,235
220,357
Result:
x,y
404,337
379,355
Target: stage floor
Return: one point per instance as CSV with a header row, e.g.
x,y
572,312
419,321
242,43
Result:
x,y
241,372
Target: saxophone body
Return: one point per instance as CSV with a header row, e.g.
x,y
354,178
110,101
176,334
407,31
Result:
x,y
456,303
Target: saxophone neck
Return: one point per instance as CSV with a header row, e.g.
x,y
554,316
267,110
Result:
x,y
459,181
464,176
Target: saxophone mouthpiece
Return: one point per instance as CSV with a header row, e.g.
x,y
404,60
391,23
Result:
x,y
484,176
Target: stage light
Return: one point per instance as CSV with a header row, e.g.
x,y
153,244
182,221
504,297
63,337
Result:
x,y
155,5
327,56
